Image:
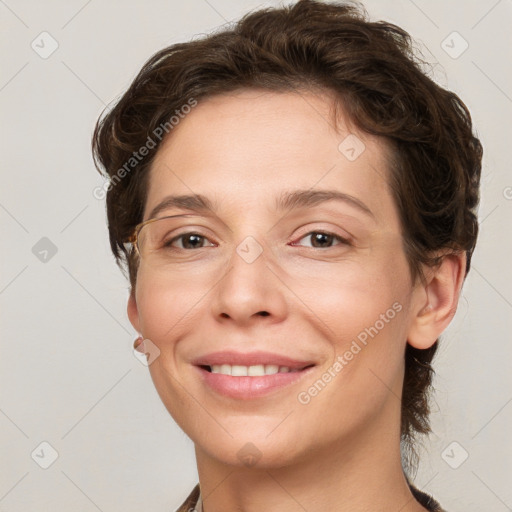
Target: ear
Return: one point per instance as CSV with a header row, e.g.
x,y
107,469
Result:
x,y
437,301
133,312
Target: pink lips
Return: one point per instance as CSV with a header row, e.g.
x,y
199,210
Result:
x,y
245,388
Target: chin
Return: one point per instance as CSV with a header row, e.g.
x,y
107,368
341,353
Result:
x,y
258,453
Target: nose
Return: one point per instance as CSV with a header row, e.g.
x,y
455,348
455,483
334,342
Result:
x,y
250,288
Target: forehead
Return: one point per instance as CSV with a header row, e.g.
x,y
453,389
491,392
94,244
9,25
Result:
x,y
248,145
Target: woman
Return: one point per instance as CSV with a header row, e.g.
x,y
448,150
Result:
x,y
294,202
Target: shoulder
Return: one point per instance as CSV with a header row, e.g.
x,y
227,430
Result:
x,y
189,504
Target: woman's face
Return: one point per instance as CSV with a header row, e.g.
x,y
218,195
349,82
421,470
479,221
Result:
x,y
274,277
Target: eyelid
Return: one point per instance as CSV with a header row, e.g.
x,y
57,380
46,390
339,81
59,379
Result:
x,y
190,232
197,229
341,240
308,230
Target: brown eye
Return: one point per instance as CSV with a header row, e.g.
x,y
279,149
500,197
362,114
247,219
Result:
x,y
188,241
323,239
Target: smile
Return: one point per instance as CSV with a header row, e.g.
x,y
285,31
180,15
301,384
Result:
x,y
247,388
257,370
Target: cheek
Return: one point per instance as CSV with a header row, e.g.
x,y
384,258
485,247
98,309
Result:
x,y
168,311
348,297
362,309
167,303
365,375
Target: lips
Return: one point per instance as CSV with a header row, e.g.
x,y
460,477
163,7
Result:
x,y
249,376
250,359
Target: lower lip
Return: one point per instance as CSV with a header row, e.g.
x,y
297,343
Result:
x,y
246,388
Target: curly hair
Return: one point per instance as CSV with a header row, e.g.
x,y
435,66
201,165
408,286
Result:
x,y
374,73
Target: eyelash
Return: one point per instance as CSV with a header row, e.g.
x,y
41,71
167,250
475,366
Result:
x,y
343,241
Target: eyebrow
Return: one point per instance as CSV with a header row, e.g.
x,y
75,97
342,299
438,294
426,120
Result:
x,y
288,200
195,202
307,198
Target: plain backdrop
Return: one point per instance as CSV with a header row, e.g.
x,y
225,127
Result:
x,y
69,378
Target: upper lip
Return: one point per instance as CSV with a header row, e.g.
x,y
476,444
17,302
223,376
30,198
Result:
x,y
250,359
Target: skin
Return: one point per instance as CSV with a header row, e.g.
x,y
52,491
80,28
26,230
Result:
x,y
340,451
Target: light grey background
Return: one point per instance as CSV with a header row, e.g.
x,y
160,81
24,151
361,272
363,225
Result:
x,y
68,374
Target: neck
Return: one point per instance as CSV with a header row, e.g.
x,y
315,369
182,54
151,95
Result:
x,y
358,474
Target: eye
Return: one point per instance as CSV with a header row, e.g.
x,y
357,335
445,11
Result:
x,y
188,241
324,239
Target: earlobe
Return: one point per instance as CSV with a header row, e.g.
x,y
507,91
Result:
x,y
133,312
440,296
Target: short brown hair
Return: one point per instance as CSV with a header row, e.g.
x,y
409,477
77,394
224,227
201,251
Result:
x,y
372,69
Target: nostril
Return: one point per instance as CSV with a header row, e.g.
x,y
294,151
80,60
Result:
x,y
263,313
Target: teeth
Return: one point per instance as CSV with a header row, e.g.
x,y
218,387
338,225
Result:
x,y
257,370
238,371
271,368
